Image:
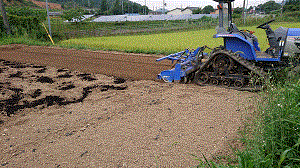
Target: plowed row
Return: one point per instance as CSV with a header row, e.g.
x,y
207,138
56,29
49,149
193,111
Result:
x,y
124,65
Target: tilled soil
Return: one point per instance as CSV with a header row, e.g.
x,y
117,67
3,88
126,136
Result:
x,y
58,117
124,65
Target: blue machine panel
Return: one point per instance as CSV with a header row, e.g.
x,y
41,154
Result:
x,y
236,43
293,32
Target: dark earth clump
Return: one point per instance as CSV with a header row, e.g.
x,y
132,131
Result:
x,y
106,87
16,75
62,70
8,63
36,93
41,70
45,79
66,75
18,65
38,66
83,74
71,86
88,78
16,90
11,105
119,80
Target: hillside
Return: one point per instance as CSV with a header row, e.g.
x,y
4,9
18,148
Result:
x,y
20,3
91,3
43,4
32,4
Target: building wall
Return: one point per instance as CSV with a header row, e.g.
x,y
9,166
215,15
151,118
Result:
x,y
215,12
175,12
187,11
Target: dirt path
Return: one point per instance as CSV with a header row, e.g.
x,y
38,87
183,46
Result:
x,y
140,123
133,66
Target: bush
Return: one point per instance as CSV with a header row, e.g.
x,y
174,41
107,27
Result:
x,y
291,16
25,21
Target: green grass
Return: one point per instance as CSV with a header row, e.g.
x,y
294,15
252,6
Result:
x,y
164,43
91,29
276,137
22,40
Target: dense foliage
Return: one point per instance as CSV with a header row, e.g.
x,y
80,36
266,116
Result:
x,y
268,7
291,5
207,9
105,7
75,14
24,20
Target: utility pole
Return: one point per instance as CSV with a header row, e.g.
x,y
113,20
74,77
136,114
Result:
x,y
281,7
48,19
145,8
163,7
244,17
5,21
122,7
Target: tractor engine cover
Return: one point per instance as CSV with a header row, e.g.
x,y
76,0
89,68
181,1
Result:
x,y
292,46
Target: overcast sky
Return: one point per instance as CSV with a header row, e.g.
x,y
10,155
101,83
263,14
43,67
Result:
x,y
172,4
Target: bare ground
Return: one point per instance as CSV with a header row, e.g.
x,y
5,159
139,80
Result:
x,y
70,118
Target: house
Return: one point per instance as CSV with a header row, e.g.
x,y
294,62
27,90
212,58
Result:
x,y
192,8
179,11
187,11
176,11
154,13
55,13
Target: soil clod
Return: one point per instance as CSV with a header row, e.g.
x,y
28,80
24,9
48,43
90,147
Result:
x,y
16,75
69,134
71,86
62,70
88,78
41,70
38,66
106,87
66,75
36,93
83,74
119,80
83,153
45,79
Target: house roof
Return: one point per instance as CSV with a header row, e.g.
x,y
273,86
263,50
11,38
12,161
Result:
x,y
220,1
191,8
176,9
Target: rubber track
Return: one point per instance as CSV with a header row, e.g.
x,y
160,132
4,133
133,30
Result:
x,y
249,65
252,67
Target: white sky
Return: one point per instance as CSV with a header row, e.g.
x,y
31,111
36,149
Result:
x,y
172,4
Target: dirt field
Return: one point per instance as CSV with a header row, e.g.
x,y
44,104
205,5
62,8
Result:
x,y
72,108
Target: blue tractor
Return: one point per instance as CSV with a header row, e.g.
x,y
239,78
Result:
x,y
240,58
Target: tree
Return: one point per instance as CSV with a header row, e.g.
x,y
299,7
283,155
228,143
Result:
x,y
207,9
291,5
116,9
103,6
269,6
75,15
197,11
237,12
5,20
